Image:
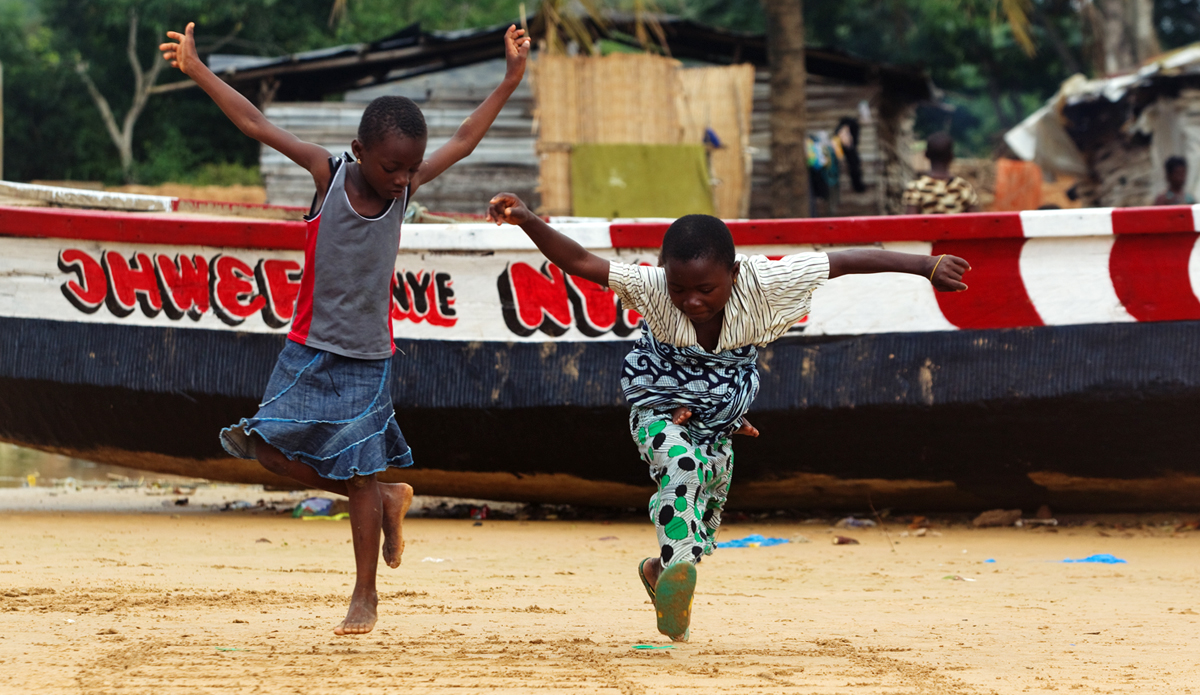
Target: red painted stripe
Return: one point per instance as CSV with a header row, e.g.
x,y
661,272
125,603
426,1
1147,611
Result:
x,y
845,230
162,228
150,228
1156,220
1150,275
996,297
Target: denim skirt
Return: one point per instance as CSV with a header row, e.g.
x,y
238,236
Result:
x,y
333,413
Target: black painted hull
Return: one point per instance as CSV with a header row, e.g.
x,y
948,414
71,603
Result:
x,y
1082,417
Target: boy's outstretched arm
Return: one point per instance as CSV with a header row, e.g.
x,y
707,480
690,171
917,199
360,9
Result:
x,y
563,251
945,272
244,115
472,130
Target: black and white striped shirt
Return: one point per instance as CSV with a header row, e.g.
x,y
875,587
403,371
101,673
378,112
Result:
x,y
768,298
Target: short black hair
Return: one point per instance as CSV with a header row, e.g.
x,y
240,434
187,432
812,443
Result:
x,y
1174,162
939,147
698,236
384,115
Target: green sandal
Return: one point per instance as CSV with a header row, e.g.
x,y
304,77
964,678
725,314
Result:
x,y
673,600
642,576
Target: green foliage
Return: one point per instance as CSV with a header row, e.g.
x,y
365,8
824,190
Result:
x,y
1178,22
53,131
968,50
52,128
226,174
736,15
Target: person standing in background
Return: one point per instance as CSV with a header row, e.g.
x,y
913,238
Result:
x,y
1177,172
939,192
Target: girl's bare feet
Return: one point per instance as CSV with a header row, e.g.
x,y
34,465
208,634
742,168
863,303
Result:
x,y
397,498
747,429
361,616
653,569
682,414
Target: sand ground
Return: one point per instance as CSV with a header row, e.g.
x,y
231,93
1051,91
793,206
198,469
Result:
x,y
237,602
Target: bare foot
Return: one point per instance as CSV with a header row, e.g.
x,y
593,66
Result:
x,y
396,500
653,570
681,415
361,616
747,429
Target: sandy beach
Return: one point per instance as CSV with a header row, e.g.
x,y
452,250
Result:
x,y
211,602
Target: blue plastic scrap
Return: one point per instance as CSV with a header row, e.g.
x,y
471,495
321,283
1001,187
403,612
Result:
x,y
1102,558
753,541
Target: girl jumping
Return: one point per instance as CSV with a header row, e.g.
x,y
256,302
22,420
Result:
x,y
692,376
327,419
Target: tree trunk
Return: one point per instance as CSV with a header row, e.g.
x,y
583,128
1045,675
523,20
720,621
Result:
x,y
789,160
143,83
1145,38
1119,49
1123,31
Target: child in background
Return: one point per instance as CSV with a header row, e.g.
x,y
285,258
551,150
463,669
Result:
x,y
327,419
1177,171
692,376
939,192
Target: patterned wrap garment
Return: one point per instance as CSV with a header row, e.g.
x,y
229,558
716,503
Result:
x,y
718,389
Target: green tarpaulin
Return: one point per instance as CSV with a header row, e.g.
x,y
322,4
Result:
x,y
639,181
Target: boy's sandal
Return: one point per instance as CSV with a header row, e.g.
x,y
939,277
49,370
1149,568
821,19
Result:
x,y
673,600
642,576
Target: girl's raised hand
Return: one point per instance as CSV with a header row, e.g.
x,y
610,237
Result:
x,y
947,273
181,55
516,50
506,207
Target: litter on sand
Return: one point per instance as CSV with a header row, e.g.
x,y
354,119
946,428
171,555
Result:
x,y
851,522
434,559
652,646
753,541
314,506
958,578
336,517
231,649
1102,558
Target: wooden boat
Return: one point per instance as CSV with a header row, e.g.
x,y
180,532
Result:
x,y
133,328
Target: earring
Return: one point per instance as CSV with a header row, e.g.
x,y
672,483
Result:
x,y
358,160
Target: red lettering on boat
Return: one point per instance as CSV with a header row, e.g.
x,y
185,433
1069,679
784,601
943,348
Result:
x,y
89,288
131,282
232,290
183,285
279,283
423,296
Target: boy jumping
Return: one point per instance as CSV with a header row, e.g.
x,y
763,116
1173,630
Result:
x,y
692,376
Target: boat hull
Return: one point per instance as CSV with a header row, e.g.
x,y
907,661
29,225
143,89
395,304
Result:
x,y
1067,375
925,421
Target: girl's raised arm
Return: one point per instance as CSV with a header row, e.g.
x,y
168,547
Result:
x,y
244,115
472,130
563,251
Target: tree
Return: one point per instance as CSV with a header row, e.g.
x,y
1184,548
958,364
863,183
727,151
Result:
x,y
143,81
789,158
1123,34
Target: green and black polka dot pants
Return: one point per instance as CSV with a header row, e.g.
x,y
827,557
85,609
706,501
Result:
x,y
693,482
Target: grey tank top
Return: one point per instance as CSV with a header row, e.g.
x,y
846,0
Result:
x,y
345,300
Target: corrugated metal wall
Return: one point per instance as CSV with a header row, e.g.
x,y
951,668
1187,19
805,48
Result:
x,y
505,160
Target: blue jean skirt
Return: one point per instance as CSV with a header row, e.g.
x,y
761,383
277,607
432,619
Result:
x,y
333,413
